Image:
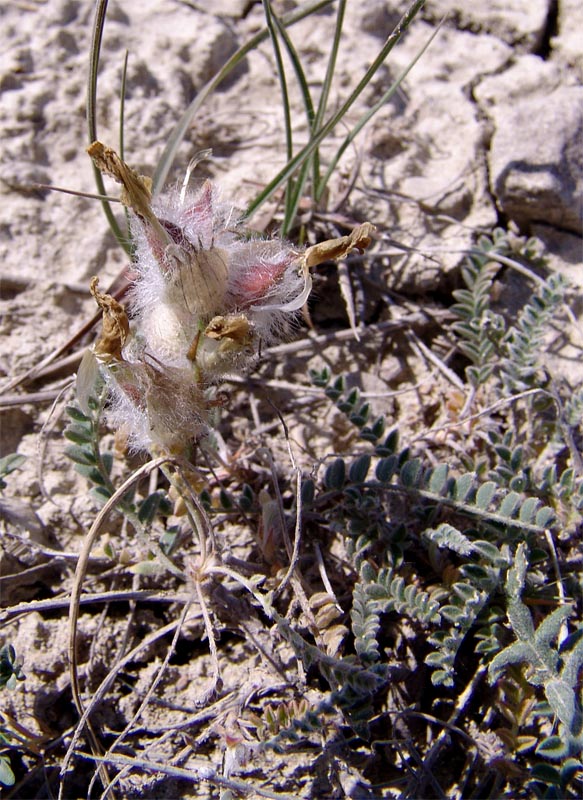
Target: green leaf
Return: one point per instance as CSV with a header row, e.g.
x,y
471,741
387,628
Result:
x,y
509,504
528,509
321,379
442,677
335,475
546,773
519,483
333,392
521,620
147,568
386,468
563,702
516,653
168,540
453,613
434,659
76,414
517,574
80,455
466,593
378,427
225,500
353,398
11,462
7,777
438,479
550,628
101,494
107,461
360,417
573,661
308,491
359,469
79,434
368,574
550,475
91,473
445,535
462,487
148,508
247,496
516,458
476,573
411,473
504,453
489,551
10,669
485,494
553,747
567,480
569,768
545,517
390,444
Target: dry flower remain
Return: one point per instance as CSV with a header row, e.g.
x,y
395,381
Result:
x,y
206,296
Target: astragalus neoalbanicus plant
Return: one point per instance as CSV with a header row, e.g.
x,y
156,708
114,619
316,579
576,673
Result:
x,y
281,571
207,296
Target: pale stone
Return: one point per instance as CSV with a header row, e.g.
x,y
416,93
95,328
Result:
x,y
536,161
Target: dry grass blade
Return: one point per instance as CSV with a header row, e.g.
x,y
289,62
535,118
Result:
x,y
77,587
148,695
102,689
123,596
197,774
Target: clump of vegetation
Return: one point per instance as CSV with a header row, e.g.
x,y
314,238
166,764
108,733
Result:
x,y
405,602
445,555
10,673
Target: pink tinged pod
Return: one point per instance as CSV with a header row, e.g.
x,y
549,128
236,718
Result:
x,y
258,271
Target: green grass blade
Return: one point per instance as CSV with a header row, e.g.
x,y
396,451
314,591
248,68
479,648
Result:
x,y
169,153
294,196
294,189
122,104
273,33
309,149
369,114
299,70
325,94
95,50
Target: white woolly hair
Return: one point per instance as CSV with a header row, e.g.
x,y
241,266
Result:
x,y
265,277
261,272
203,221
169,409
155,394
127,416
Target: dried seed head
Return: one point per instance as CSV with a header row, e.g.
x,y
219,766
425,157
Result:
x,y
205,298
137,189
116,326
